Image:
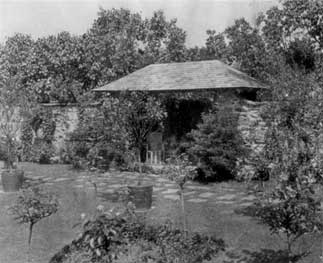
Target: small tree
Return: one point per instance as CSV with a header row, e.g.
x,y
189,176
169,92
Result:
x,y
293,150
291,218
292,210
180,170
118,124
32,206
143,114
137,114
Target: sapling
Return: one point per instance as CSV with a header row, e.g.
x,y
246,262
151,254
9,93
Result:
x,y
292,209
180,170
291,218
32,206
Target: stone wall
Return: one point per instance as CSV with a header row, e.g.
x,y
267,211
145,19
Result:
x,y
253,130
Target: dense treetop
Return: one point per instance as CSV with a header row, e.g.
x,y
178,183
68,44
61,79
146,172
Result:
x,y
62,67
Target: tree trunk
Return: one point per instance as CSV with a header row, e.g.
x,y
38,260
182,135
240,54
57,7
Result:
x,y
183,212
289,249
31,225
140,181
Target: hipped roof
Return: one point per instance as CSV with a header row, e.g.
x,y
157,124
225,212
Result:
x,y
184,76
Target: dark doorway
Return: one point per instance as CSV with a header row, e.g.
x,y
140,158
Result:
x,y
183,116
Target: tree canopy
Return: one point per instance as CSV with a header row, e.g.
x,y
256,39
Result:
x,y
62,67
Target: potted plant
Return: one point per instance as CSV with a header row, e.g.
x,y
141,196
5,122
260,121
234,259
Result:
x,y
10,118
141,193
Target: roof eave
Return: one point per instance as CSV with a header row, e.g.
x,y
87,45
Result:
x,y
178,90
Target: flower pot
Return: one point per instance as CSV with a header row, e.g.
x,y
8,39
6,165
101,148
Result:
x,y
141,196
12,180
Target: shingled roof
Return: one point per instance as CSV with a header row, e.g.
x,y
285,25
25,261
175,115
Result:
x,y
185,76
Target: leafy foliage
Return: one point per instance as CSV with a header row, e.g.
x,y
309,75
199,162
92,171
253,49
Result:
x,y
246,48
26,139
293,156
108,131
62,67
180,169
111,235
142,113
293,19
10,113
37,136
216,145
41,152
99,139
291,217
32,206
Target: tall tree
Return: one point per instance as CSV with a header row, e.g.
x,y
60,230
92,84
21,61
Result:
x,y
216,47
120,42
175,50
14,55
294,19
246,47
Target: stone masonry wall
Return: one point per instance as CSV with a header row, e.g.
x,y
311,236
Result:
x,y
253,130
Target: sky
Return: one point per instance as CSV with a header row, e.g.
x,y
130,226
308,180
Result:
x,y
46,17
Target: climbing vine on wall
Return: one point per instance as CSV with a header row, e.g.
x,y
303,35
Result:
x,y
26,138
37,136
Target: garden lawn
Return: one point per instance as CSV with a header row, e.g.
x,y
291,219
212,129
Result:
x,y
221,209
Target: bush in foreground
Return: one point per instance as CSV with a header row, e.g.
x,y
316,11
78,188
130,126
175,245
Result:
x,y
115,236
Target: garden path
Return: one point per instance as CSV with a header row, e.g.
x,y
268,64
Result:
x,y
110,184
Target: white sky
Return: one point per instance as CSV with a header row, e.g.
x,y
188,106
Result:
x,y
41,18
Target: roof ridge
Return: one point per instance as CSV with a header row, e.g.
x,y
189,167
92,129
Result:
x,y
187,62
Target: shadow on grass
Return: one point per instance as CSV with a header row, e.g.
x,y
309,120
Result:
x,y
262,256
270,256
251,210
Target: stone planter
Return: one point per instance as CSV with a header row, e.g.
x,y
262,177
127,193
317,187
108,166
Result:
x,y
141,196
12,180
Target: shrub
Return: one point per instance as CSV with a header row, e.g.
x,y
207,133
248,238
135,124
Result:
x,y
84,154
97,141
112,236
41,152
76,153
216,145
142,251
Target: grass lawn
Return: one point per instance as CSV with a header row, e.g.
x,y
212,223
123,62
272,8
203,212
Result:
x,y
245,237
